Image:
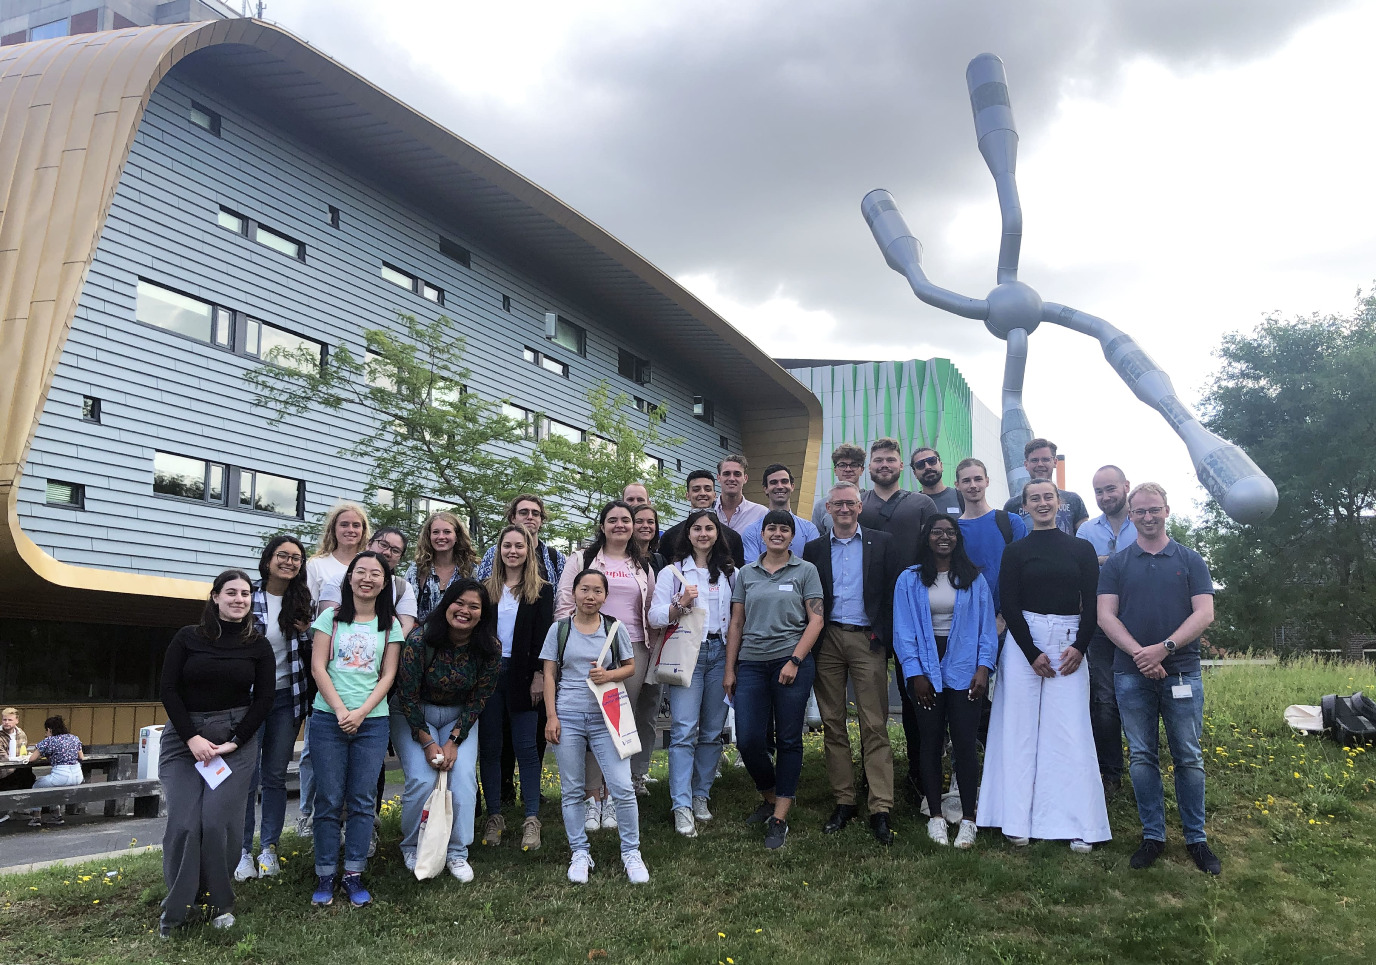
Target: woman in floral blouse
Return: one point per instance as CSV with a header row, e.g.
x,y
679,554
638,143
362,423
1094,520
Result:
x,y
449,667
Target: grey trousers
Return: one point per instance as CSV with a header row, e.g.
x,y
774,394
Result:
x,y
205,828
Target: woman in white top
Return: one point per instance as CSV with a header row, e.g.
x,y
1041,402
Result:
x,y
698,711
342,537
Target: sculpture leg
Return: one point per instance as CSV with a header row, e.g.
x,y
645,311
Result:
x,y
1014,430
1245,492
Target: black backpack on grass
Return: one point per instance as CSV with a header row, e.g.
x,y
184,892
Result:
x,y
1349,720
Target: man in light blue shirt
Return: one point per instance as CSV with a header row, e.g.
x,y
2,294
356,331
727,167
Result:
x,y
778,488
1110,533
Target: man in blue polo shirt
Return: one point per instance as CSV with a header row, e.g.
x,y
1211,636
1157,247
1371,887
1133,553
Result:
x,y
1108,532
778,488
1155,600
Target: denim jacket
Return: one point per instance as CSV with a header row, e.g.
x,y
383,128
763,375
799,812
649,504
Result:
x,y
971,643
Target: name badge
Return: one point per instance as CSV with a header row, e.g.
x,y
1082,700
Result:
x,y
1181,691
785,587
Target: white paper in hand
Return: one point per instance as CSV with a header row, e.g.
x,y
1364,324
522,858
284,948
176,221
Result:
x,y
214,771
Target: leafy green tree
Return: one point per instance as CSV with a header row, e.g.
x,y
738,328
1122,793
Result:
x,y
1299,396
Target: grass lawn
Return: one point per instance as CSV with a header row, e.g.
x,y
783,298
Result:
x,y
1294,821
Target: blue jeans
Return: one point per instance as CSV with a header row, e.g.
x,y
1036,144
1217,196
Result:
x,y
346,767
421,778
306,772
522,742
698,715
579,734
276,741
1142,703
760,698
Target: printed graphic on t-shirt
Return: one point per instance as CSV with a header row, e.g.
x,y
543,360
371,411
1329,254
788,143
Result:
x,y
356,650
618,574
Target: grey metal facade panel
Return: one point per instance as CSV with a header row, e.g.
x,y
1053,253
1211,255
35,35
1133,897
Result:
x,y
163,391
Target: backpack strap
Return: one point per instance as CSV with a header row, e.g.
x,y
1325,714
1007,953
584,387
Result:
x,y
565,625
1005,524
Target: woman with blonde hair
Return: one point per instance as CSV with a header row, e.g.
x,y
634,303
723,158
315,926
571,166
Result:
x,y
525,609
343,535
443,555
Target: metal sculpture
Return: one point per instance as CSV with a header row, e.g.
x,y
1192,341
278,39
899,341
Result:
x,y
1013,310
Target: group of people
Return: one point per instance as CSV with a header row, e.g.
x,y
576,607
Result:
x,y
471,667
59,747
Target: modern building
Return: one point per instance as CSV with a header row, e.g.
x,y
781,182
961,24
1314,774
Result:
x,y
919,403
178,199
22,21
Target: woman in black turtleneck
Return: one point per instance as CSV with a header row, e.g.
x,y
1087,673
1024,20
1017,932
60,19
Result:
x,y
1041,773
217,687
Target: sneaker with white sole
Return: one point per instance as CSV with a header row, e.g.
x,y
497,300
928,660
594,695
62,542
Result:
x,y
461,869
936,830
579,867
353,887
530,834
684,823
593,821
1081,846
635,867
222,921
247,867
493,828
268,865
609,822
700,809
638,783
324,891
303,826
1016,841
408,858
965,837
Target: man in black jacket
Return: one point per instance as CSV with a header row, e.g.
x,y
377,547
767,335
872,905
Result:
x,y
858,569
701,486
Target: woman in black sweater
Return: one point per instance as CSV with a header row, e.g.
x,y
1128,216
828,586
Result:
x,y
1041,774
217,688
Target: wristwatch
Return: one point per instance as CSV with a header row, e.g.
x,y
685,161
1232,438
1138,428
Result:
x,y
454,738
1169,645
793,659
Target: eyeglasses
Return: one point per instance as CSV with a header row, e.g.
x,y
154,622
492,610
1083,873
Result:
x,y
846,465
381,546
532,513
843,504
929,461
943,535
292,558
1147,511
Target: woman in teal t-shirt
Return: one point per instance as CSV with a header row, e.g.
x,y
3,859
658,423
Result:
x,y
353,660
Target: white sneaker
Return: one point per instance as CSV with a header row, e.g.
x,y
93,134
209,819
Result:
x,y
684,824
700,809
593,821
1018,842
609,815
247,868
303,826
579,867
635,867
1080,846
936,830
965,837
223,921
461,869
408,858
638,783
268,865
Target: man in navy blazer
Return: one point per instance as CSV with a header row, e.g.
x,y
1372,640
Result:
x,y
858,568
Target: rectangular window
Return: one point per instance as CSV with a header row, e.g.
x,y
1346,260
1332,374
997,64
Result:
x,y
702,410
71,495
377,372
523,416
456,251
187,478
90,409
334,217
279,242
506,303
430,292
536,357
633,367
652,464
47,31
277,345
236,223
203,117
265,493
561,331
398,277
563,430
723,442
177,313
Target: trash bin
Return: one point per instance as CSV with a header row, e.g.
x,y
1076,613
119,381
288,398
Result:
x,y
150,745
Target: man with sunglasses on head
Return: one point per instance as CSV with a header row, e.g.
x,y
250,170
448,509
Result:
x,y
848,462
926,466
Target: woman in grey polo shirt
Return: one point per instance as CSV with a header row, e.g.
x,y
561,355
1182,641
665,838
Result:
x,y
776,617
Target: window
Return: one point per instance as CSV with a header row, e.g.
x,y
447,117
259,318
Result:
x,y
506,303
652,464
529,426
561,331
377,372
385,498
277,345
409,281
678,463
203,117
702,410
71,495
47,31
633,367
268,237
182,314
90,409
562,430
187,478
266,493
456,251
723,442
334,217
650,408
536,357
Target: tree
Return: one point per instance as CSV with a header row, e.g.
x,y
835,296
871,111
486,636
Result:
x,y
1299,397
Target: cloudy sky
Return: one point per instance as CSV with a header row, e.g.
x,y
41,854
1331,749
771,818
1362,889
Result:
x,y
1186,168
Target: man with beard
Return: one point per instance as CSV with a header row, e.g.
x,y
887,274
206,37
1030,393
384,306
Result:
x,y
926,463
1039,459
1110,533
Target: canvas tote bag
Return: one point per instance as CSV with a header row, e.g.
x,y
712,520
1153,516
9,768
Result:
x,y
615,704
678,656
436,823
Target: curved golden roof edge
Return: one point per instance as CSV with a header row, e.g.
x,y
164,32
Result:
x,y
69,110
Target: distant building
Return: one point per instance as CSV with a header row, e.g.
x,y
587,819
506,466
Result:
x,y
22,21
919,403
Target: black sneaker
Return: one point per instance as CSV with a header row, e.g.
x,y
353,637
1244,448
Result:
x,y
1147,854
1204,858
762,813
1112,788
775,831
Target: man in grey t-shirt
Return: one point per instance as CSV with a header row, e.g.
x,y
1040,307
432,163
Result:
x,y
1039,459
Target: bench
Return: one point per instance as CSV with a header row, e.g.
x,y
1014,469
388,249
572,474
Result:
x,y
147,796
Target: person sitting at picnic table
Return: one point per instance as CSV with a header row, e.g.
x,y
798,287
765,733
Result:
x,y
14,746
63,751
